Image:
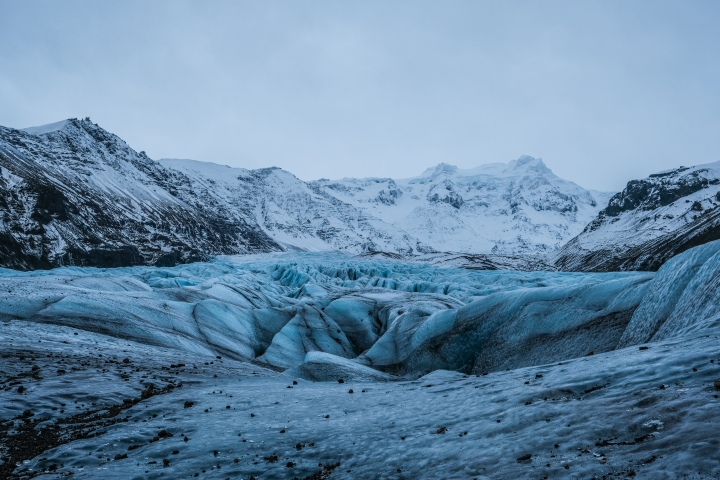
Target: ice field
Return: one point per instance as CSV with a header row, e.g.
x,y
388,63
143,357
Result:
x,y
446,373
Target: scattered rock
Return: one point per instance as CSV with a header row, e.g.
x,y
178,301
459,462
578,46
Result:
x,y
340,380
121,456
643,348
188,404
717,384
525,458
592,389
289,465
589,354
441,430
148,392
350,391
166,462
271,459
126,360
20,389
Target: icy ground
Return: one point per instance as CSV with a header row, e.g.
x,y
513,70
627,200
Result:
x,y
540,387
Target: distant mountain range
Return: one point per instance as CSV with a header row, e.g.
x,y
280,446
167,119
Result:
x,y
72,193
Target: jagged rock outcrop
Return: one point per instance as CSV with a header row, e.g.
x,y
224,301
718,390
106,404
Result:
x,y
649,222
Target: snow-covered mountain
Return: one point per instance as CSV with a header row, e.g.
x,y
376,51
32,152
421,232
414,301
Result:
x,y
649,222
295,214
520,207
72,193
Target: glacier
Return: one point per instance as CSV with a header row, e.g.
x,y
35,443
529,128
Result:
x,y
289,365
399,317
404,318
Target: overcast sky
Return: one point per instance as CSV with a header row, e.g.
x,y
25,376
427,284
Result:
x,y
603,91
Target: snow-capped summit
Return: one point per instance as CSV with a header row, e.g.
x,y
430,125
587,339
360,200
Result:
x,y
503,208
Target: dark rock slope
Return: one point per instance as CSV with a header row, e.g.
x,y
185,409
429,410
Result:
x,y
73,194
649,222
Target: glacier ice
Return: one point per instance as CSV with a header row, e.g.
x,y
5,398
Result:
x,y
213,337
682,299
396,317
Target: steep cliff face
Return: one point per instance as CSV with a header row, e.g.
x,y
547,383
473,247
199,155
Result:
x,y
649,222
520,207
73,194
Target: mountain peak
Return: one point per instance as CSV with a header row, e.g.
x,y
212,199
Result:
x,y
526,162
439,169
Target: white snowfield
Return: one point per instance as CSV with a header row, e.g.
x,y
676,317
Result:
x,y
520,207
291,212
516,208
454,373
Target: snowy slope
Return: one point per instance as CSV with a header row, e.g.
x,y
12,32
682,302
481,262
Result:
x,y
294,214
650,221
73,194
520,207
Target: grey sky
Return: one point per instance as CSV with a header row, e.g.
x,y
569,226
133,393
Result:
x,y
603,91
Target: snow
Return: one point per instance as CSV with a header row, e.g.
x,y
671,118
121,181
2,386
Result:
x,y
49,128
321,359
516,208
520,207
644,234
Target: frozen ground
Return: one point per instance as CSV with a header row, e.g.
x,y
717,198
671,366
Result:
x,y
540,387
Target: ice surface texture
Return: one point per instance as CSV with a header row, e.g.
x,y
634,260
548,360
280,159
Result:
x,y
602,415
399,318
